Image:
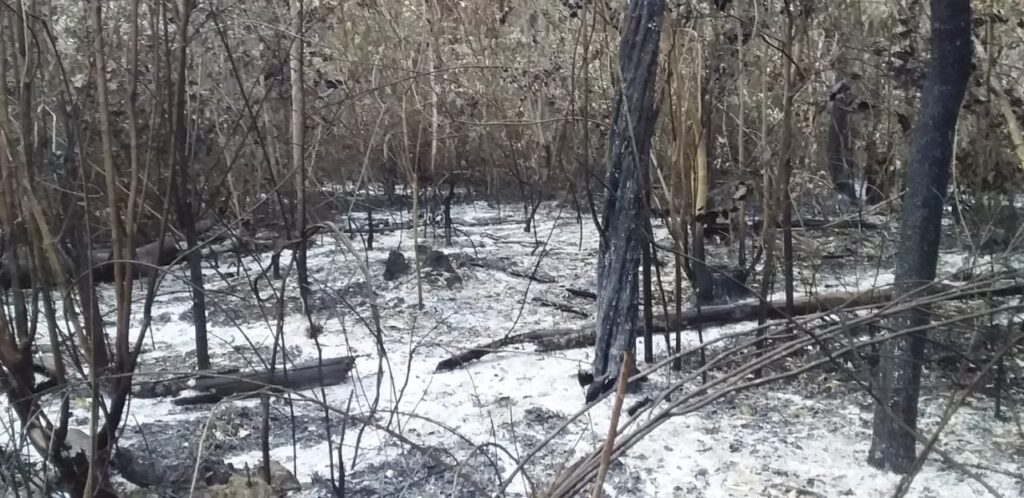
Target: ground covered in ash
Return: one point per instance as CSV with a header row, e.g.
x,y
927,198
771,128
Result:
x,y
413,432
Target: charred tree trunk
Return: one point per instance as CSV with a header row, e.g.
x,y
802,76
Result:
x,y
629,144
648,291
677,289
703,283
369,228
927,177
448,213
184,194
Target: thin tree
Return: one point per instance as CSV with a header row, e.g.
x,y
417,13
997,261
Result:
x,y
629,145
298,145
185,191
927,177
776,187
122,288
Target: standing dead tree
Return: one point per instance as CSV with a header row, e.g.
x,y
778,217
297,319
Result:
x,y
927,177
184,197
298,132
629,144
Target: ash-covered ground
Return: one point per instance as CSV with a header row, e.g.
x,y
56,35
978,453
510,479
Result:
x,y
414,432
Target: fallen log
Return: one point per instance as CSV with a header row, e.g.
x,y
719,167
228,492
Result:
x,y
581,338
301,376
572,338
548,340
748,310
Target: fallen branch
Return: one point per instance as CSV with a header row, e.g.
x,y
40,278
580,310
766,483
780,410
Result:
x,y
490,264
548,340
581,293
801,224
560,306
487,348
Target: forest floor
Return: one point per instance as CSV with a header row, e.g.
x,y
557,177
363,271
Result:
x,y
803,437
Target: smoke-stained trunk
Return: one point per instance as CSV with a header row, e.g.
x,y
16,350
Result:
x,y
927,177
629,143
184,194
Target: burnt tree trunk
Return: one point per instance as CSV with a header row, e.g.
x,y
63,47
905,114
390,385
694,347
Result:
x,y
648,293
448,213
629,143
184,194
899,371
703,283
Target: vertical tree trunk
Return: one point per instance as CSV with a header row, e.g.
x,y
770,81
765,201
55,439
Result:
x,y
786,151
112,176
185,192
95,473
646,261
703,285
298,146
927,177
740,220
629,143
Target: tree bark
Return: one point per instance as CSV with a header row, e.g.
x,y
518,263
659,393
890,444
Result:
x,y
185,192
927,177
629,143
796,25
298,146
838,145
703,285
648,299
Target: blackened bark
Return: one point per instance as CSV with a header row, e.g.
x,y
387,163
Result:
x,y
369,228
787,249
927,177
648,296
448,214
677,362
629,144
185,194
703,282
